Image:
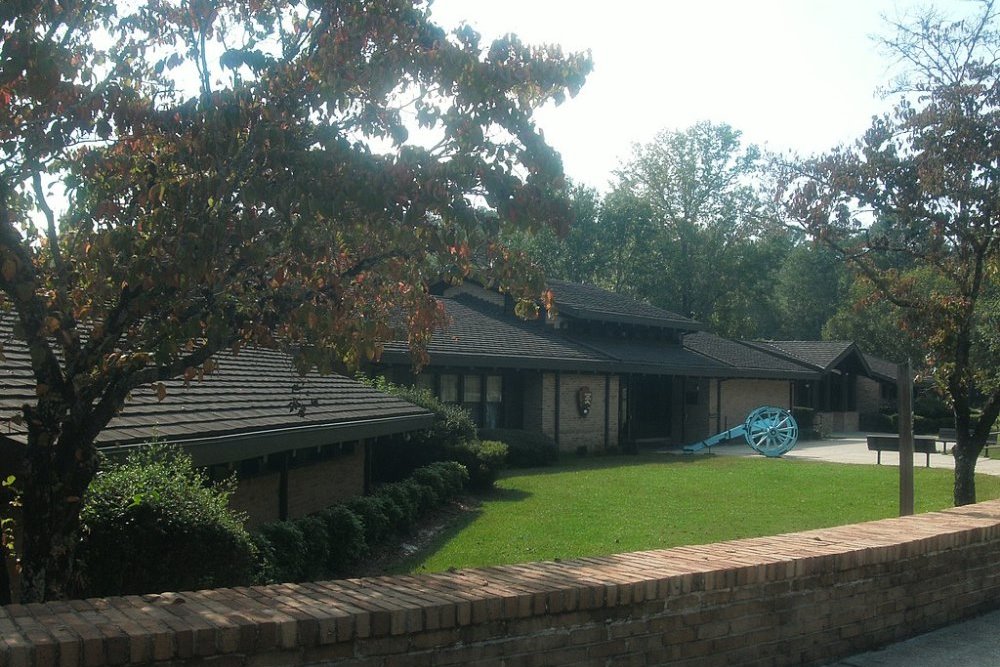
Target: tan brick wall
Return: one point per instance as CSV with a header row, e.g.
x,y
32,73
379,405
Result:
x,y
319,485
311,488
869,395
575,430
740,397
257,497
797,599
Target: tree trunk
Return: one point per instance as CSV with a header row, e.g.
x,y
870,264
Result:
x,y
965,474
58,470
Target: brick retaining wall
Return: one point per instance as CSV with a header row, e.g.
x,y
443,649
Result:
x,y
801,598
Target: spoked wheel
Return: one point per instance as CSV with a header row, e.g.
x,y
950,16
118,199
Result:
x,y
771,431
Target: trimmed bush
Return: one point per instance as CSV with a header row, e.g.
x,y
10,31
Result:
x,y
403,508
454,475
374,516
287,552
484,460
346,538
525,449
317,546
152,523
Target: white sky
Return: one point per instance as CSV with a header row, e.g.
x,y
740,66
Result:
x,y
795,75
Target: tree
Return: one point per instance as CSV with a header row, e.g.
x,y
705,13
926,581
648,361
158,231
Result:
x,y
711,224
241,173
807,292
927,174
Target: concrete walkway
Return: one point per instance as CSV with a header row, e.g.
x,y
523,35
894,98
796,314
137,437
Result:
x,y
853,448
973,643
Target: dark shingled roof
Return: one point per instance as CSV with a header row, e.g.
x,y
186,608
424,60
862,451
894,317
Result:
x,y
594,303
651,356
249,407
747,359
820,354
881,368
479,334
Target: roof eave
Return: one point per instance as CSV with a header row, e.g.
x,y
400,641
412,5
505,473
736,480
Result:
x,y
231,447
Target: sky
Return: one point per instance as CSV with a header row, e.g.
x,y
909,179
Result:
x,y
791,75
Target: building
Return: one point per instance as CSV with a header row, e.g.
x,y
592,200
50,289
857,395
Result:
x,y
605,371
296,443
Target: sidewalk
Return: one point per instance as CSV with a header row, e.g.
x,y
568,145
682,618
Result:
x,y
972,643
853,448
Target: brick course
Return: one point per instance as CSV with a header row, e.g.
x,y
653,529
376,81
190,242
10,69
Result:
x,y
800,598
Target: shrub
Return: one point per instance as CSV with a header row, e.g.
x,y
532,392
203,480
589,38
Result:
x,y
402,505
876,422
152,523
525,449
317,545
454,475
400,456
374,516
484,460
346,534
287,551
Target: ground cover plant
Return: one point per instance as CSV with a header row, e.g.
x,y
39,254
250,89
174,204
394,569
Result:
x,y
601,506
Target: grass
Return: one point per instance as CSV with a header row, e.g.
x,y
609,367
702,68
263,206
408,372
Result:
x,y
601,506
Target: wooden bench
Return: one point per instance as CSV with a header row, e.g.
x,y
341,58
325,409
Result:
x,y
890,443
946,435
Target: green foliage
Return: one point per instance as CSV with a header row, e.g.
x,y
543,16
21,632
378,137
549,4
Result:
x,y
285,553
525,449
241,173
912,206
152,523
374,515
346,539
330,542
452,428
484,459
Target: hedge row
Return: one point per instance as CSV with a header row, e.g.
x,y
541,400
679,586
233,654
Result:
x,y
329,543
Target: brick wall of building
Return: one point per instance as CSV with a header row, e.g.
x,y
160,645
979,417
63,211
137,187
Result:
x,y
257,497
311,487
576,430
315,486
869,395
740,397
796,599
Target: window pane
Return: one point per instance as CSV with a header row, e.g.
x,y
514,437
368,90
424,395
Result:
x,y
470,393
449,388
494,386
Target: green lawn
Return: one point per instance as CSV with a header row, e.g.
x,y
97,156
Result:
x,y
600,506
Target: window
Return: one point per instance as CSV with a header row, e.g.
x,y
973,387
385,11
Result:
x,y
471,389
472,397
449,388
494,397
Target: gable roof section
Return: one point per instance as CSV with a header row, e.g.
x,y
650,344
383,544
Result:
x,y
587,302
882,369
478,334
747,360
249,407
822,355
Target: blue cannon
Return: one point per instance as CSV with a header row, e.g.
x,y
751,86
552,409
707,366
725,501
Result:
x,y
770,431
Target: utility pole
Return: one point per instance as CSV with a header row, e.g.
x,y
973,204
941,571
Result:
x,y
904,388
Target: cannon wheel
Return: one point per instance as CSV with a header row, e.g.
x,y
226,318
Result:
x,y
771,431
